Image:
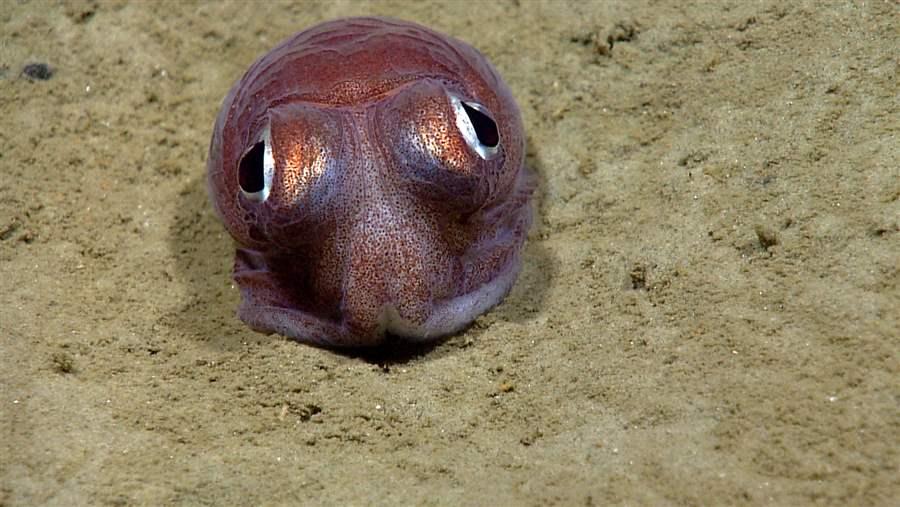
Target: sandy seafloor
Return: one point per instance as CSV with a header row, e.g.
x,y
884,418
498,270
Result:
x,y
708,311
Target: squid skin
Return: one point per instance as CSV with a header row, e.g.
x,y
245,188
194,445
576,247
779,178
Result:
x,y
371,172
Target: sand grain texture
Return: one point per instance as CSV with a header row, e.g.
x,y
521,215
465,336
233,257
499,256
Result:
x,y
708,312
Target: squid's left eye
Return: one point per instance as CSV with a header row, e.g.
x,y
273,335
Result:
x,y
477,127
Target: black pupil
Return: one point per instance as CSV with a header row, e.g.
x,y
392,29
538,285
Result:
x,y
250,170
485,128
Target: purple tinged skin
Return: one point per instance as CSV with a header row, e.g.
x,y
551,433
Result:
x,y
380,210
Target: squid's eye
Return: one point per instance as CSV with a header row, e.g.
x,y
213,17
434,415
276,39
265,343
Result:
x,y
256,168
477,127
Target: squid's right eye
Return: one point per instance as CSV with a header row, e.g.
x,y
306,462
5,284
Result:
x,y
256,168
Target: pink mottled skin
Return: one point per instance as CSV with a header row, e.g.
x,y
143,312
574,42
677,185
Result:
x,y
380,216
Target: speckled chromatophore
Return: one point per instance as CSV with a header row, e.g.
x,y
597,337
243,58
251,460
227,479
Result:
x,y
371,172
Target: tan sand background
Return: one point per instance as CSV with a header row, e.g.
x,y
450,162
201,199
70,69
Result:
x,y
708,312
